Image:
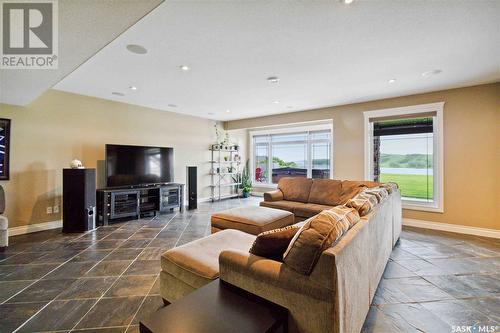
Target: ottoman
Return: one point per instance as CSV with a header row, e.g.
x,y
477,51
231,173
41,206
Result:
x,y
252,220
193,265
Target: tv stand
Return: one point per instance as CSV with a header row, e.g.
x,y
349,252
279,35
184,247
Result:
x,y
115,204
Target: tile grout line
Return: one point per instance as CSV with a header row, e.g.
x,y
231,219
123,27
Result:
x,y
119,276
142,302
182,233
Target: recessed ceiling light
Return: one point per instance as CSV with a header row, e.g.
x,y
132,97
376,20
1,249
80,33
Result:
x,y
137,49
227,111
289,106
347,2
276,102
273,79
184,67
172,105
132,88
432,72
392,80
116,93
210,113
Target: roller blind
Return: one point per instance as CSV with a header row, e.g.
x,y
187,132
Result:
x,y
400,126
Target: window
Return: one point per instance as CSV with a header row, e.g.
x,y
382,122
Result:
x,y
404,145
291,153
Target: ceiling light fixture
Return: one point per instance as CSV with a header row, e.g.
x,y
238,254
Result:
x,y
116,93
137,49
172,105
432,72
184,67
273,79
392,80
132,88
276,102
347,2
227,111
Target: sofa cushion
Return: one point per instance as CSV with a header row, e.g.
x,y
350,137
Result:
x,y
295,189
363,203
316,235
197,263
282,204
350,188
326,192
272,244
252,220
309,210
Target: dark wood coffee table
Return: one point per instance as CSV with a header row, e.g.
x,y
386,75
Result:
x,y
218,307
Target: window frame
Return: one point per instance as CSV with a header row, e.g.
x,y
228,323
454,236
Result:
x,y
437,205
288,130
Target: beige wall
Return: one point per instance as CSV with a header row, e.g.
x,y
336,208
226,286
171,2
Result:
x,y
471,148
58,126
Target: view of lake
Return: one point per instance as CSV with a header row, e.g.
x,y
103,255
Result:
x,y
406,171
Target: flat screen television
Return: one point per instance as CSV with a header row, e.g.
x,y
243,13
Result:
x,y
138,165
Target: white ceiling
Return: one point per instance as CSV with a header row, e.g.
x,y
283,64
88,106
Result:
x,y
85,26
324,52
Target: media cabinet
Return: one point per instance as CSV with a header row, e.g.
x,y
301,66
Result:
x,y
133,202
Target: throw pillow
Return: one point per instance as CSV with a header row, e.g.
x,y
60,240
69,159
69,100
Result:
x,y
273,243
316,235
363,203
390,186
344,215
380,192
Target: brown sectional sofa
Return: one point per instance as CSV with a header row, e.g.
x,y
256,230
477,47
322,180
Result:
x,y
334,297
306,197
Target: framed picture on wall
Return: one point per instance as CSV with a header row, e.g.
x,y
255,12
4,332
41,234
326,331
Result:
x,y
4,148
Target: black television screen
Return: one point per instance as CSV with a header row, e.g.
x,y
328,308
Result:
x,y
138,165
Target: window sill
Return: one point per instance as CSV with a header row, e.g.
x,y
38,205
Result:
x,y
430,207
265,185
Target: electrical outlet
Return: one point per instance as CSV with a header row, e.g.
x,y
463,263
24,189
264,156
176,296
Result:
x,y
56,209
49,210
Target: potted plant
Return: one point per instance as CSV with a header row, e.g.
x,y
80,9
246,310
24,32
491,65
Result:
x,y
246,182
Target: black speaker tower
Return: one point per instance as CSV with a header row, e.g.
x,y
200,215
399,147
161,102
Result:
x,y
192,183
79,200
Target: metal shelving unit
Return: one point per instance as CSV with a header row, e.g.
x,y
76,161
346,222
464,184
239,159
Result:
x,y
220,175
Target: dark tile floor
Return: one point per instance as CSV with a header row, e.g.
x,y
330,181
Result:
x,y
106,279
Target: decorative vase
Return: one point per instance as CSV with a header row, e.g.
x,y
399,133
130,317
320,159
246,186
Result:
x,y
76,164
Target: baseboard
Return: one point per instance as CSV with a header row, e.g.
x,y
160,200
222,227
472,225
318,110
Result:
x,y
227,196
26,229
461,229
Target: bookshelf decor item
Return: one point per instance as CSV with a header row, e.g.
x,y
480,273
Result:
x,y
224,171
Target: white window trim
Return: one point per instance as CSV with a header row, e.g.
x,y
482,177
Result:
x,y
283,130
438,174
